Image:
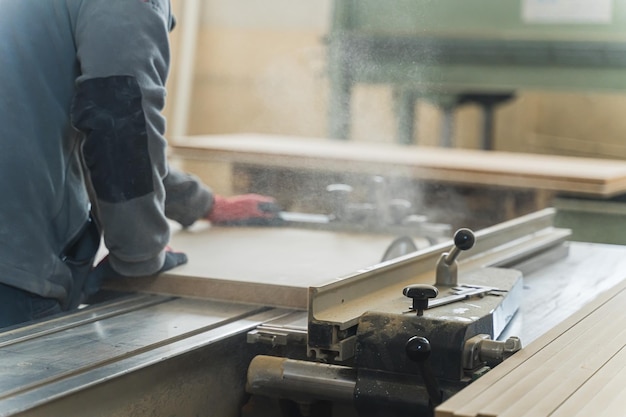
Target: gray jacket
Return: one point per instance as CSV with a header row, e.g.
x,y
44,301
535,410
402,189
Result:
x,y
82,89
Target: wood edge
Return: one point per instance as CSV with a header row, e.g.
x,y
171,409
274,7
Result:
x,y
216,289
470,175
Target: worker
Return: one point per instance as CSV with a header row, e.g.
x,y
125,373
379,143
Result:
x,y
83,153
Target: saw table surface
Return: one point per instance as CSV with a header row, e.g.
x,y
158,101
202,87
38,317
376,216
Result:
x,y
583,176
139,355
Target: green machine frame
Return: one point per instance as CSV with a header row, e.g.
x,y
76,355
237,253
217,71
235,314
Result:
x,y
452,52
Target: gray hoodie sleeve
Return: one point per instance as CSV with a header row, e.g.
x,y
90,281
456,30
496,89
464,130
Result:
x,y
187,198
123,52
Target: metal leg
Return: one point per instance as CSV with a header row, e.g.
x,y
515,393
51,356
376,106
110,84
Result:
x,y
487,138
404,110
447,127
488,103
340,95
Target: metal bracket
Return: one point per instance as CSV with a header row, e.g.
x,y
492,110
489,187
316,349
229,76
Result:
x,y
464,292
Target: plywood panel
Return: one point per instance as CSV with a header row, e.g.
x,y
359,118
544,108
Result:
x,y
598,177
269,266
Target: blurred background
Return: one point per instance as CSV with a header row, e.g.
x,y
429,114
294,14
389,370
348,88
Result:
x,y
264,67
521,77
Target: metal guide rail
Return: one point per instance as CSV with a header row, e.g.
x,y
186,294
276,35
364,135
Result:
x,y
334,309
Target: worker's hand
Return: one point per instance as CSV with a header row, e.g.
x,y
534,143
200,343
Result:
x,y
104,271
244,210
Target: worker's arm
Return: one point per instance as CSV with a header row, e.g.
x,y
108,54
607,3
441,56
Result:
x,y
188,199
123,52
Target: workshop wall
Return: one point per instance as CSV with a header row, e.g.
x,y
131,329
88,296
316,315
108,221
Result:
x,y
260,67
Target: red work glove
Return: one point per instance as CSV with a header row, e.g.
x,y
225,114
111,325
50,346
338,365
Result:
x,y
243,210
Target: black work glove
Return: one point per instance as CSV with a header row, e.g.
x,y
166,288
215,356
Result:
x,y
104,271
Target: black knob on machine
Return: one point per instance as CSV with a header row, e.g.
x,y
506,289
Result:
x,y
464,239
418,350
420,293
446,271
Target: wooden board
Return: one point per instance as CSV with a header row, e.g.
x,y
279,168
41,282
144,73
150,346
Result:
x,y
596,177
576,369
268,266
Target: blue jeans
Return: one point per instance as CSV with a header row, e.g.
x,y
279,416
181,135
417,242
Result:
x,y
19,306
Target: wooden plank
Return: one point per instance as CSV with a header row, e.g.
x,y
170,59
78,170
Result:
x,y
268,266
521,382
524,386
614,406
566,372
604,391
598,177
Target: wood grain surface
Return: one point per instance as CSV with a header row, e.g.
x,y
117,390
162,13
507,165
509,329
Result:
x,y
584,176
576,369
268,266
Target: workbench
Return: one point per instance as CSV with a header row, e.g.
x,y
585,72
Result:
x,y
462,187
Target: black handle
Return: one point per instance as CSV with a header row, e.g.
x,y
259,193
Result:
x,y
418,350
420,293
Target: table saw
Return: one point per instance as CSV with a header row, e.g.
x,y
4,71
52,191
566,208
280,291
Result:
x,y
307,322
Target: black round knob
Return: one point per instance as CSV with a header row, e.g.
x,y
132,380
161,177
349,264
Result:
x,y
420,293
464,239
417,349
